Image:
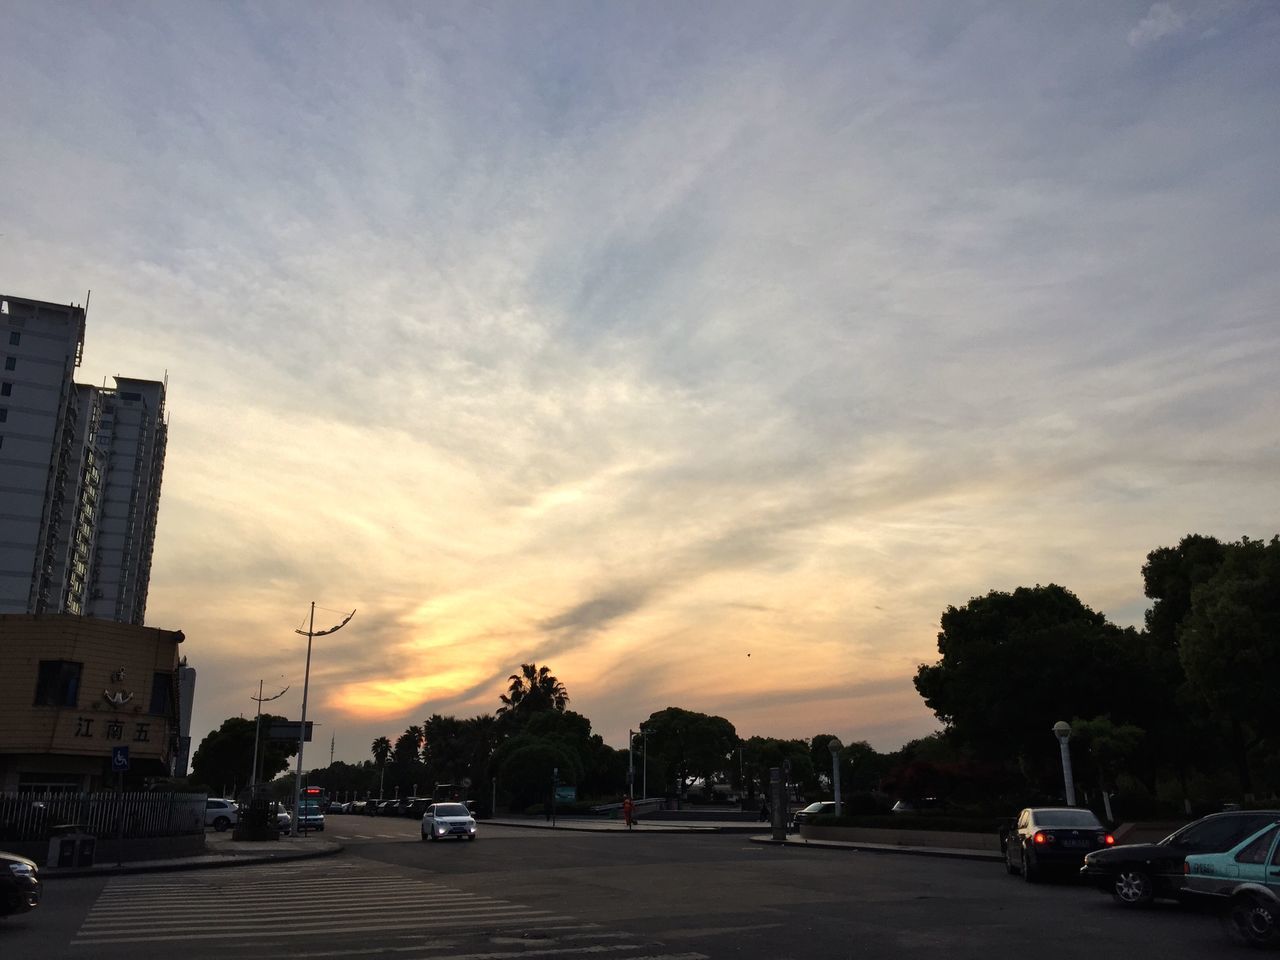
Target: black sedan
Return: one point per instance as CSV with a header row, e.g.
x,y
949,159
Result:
x,y
1052,838
19,884
822,808
1137,873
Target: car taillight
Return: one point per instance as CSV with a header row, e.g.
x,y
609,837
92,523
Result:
x,y
1186,867
1109,840
1041,837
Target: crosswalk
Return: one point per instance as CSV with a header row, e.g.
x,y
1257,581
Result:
x,y
313,911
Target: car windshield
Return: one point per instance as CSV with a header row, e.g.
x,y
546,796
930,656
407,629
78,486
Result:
x,y
452,810
813,807
1067,818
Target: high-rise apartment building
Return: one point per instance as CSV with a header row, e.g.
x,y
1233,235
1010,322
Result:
x,y
80,472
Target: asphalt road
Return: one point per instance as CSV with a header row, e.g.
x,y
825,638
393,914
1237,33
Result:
x,y
538,894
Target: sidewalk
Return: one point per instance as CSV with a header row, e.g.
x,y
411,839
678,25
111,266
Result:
x,y
953,853
609,825
222,851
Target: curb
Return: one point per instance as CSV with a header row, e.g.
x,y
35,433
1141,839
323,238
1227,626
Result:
x,y
170,866
571,825
853,846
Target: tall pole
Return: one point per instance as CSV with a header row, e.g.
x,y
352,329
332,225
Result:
x,y
257,731
1062,730
310,632
631,762
645,733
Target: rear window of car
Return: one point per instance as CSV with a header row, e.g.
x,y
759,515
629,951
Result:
x,y
451,810
1066,818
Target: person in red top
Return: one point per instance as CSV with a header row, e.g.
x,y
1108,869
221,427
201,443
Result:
x,y
628,811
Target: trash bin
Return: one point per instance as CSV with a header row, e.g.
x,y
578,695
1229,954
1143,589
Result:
x,y
71,846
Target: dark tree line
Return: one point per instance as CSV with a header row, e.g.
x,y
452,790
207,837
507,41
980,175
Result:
x,y
1184,706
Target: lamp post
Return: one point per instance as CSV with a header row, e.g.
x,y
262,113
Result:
x,y
309,633
645,759
835,746
1062,730
631,763
257,731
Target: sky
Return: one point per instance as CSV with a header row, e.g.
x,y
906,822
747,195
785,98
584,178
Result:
x,y
704,353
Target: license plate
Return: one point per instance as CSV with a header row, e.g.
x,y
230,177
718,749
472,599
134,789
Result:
x,y
1075,843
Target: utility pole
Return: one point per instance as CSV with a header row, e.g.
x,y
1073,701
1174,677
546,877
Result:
x,y
309,633
257,731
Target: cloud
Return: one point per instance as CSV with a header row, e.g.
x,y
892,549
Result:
x,y
632,344
1161,21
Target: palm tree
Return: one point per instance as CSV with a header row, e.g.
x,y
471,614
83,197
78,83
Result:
x,y
533,688
381,749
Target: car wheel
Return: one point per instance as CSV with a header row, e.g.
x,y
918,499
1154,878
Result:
x,y
471,836
424,835
1009,866
1253,920
221,823
1132,888
1030,872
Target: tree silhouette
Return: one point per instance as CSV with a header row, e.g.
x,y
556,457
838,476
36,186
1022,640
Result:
x,y
531,690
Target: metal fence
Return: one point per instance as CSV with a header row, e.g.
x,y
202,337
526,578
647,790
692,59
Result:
x,y
37,816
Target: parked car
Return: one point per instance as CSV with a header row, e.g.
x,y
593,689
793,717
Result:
x,y
220,814
1137,873
284,822
309,816
822,808
448,820
1246,879
1052,838
19,884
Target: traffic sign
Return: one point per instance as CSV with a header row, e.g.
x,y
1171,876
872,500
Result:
x,y
119,759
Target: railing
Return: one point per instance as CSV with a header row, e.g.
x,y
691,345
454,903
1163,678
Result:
x,y
31,816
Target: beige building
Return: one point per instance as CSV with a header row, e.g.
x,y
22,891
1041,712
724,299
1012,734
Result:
x,y
72,689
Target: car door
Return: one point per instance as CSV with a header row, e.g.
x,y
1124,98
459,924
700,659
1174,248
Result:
x,y
1254,862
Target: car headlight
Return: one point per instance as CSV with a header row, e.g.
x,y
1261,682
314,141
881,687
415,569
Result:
x,y
22,870
441,828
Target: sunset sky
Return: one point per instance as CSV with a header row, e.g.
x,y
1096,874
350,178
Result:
x,y
702,352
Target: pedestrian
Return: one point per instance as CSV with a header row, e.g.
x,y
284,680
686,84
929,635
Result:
x,y
628,809
764,809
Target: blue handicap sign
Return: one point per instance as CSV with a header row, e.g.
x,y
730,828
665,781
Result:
x,y
119,759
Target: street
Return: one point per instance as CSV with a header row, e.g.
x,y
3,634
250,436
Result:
x,y
521,892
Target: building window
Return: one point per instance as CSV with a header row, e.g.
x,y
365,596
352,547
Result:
x,y
14,338
6,389
11,363
4,414
161,694
58,684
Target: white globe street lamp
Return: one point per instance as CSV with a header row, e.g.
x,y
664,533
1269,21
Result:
x,y
1062,730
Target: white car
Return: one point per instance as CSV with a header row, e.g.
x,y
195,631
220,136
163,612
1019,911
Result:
x,y
220,814
448,820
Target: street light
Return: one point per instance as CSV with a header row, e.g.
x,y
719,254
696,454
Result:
x,y
1062,730
257,731
835,746
309,633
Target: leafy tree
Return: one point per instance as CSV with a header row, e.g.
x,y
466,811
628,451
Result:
x,y
685,746
1101,750
1012,664
224,758
1229,644
531,690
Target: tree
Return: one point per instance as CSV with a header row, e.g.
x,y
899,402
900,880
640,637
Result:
x,y
224,758
686,746
531,690
1014,663
381,750
1229,645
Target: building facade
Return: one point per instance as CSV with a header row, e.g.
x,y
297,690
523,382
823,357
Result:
x,y
80,472
73,688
